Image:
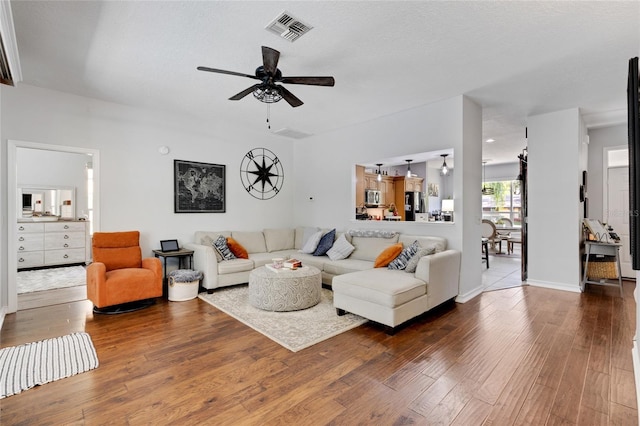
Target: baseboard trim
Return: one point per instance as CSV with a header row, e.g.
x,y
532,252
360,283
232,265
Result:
x,y
463,298
554,286
3,312
635,355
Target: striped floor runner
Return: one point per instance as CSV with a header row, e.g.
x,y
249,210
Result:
x,y
25,366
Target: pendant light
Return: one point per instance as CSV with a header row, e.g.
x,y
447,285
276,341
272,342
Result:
x,y
486,190
379,172
444,169
408,168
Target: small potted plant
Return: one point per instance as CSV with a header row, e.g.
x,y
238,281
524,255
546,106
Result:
x,y
392,210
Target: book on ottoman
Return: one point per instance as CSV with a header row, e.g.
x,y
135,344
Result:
x,y
292,263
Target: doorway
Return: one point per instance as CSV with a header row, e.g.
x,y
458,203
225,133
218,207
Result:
x,y
15,149
616,201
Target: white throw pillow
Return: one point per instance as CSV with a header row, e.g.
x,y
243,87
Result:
x,y
312,243
341,249
308,232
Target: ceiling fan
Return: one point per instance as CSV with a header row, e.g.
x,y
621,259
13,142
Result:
x,y
268,73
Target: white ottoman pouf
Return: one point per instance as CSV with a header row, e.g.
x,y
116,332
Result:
x,y
285,290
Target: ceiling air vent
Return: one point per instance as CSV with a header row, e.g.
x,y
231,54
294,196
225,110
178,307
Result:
x,y
288,27
292,133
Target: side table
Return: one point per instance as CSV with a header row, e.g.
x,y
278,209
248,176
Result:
x,y
180,254
607,249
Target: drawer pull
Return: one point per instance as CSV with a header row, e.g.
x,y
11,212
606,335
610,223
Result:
x,y
66,256
66,237
20,248
66,245
21,260
21,228
21,239
66,227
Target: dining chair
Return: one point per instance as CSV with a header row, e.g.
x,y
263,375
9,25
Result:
x,y
490,232
515,238
504,221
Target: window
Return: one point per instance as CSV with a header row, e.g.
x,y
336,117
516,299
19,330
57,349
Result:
x,y
504,202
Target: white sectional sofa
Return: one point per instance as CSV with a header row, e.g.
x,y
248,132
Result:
x,y
389,297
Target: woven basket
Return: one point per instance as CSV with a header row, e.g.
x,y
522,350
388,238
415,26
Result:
x,y
602,268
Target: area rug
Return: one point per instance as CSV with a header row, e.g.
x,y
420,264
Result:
x,y
51,278
294,330
25,366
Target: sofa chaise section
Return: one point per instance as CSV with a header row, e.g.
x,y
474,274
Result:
x,y
392,297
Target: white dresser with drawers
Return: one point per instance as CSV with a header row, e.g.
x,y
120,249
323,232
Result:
x,y
52,243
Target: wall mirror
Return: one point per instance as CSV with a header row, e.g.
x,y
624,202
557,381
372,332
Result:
x,y
38,200
407,188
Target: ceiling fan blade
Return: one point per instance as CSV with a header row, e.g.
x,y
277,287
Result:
x,y
270,59
313,81
244,93
227,72
289,97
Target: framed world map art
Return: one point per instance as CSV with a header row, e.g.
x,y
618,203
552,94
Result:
x,y
198,187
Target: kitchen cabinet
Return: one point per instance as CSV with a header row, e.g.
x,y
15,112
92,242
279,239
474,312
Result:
x,y
388,189
52,243
360,185
370,181
385,186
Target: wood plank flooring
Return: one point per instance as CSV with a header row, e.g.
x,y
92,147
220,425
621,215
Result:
x,y
519,356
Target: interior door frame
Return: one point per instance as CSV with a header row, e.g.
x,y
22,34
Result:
x,y
12,207
605,168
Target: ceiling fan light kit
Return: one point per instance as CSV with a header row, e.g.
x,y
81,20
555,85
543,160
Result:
x,y
267,90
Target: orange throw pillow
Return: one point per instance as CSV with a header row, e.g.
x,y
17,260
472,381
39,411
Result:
x,y
237,249
387,255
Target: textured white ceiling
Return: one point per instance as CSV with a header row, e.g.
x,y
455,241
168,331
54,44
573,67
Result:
x,y
513,58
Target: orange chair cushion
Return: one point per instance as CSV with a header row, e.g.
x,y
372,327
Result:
x,y
237,249
117,250
387,255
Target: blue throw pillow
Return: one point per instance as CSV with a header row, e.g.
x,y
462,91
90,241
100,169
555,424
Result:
x,y
326,242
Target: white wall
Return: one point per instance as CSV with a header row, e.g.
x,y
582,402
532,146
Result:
x,y
555,146
137,182
505,171
4,281
136,187
325,171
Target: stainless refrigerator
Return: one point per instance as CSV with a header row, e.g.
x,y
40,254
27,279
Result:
x,y
412,205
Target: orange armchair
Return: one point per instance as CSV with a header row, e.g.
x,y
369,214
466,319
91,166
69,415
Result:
x,y
119,275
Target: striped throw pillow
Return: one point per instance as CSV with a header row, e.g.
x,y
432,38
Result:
x,y
220,244
403,258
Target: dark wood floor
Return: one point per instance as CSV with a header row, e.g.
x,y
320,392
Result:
x,y
526,356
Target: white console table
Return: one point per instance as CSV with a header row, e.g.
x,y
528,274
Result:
x,y
607,249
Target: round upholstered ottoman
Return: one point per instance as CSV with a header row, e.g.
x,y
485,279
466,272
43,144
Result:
x,y
285,290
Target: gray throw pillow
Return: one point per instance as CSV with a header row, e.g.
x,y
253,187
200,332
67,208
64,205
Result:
x,y
400,262
413,262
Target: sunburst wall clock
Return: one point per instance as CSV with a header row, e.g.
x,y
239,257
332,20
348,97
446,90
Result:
x,y
261,173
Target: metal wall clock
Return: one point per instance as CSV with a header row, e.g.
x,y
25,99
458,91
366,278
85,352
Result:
x,y
261,173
